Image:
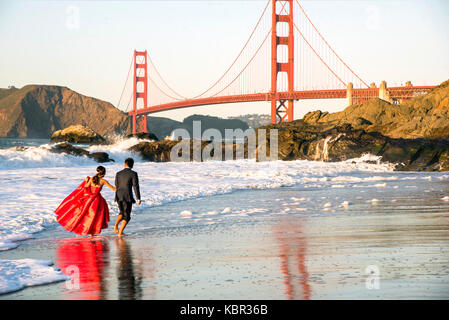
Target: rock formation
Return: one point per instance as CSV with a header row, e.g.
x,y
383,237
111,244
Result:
x,y
74,151
424,116
77,134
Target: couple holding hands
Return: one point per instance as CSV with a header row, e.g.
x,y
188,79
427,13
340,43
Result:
x,y
86,212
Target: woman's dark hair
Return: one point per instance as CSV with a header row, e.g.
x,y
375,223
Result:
x,y
101,172
130,162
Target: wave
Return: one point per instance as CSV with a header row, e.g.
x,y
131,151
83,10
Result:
x,y
41,157
42,189
18,274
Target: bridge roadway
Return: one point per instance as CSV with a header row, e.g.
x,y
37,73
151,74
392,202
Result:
x,y
395,93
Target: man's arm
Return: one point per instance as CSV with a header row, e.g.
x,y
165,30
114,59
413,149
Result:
x,y
136,186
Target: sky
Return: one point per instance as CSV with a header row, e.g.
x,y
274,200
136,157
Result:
x,y
88,45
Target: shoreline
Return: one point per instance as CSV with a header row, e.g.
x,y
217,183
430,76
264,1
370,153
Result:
x,y
256,255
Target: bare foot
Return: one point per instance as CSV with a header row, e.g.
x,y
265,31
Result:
x,y
121,234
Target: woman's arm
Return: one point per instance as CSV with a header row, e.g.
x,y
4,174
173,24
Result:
x,y
105,182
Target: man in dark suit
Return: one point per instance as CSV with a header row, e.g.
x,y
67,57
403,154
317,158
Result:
x,y
125,181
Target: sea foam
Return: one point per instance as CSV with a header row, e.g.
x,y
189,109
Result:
x,y
35,181
18,274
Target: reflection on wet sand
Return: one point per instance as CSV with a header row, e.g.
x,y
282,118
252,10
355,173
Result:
x,y
292,253
129,277
85,260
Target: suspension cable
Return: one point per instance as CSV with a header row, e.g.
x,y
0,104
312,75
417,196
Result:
x,y
166,94
240,53
327,44
127,77
319,57
257,51
170,88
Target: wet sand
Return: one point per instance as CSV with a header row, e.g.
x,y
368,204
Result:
x,y
279,258
394,248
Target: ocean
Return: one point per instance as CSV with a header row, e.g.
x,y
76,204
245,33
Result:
x,y
360,206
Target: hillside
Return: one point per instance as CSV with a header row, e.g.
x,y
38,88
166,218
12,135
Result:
x,y
163,127
35,111
254,121
421,117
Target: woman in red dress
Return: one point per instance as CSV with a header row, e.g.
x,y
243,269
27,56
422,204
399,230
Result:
x,y
85,211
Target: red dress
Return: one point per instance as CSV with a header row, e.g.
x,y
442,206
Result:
x,y
84,211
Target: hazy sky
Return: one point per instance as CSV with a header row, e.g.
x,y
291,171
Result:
x,y
87,45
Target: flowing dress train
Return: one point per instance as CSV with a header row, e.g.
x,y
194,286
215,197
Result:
x,y
84,211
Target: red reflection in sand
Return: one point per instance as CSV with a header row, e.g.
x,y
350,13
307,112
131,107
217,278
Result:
x,y
85,260
292,252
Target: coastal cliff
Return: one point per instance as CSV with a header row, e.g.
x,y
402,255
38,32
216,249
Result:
x,y
36,111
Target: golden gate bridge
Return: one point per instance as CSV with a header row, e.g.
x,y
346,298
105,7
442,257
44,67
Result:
x,y
285,59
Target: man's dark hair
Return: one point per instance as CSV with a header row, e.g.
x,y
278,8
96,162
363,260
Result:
x,y
130,162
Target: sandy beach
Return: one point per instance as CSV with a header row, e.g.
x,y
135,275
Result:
x,y
303,256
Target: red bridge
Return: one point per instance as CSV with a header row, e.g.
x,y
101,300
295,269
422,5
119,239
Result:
x,y
266,70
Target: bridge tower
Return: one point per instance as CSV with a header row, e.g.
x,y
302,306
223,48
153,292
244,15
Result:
x,y
139,123
282,12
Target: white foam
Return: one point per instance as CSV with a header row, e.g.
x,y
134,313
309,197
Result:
x,y
119,150
380,185
42,157
227,210
29,196
38,157
446,198
363,179
298,199
18,274
186,213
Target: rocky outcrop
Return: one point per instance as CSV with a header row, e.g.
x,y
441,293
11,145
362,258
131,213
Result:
x,y
67,148
36,111
424,116
299,140
154,151
77,134
144,136
414,135
161,151
100,157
